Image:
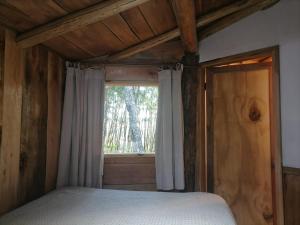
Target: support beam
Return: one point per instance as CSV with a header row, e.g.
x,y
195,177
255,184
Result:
x,y
189,99
76,20
186,21
233,18
201,22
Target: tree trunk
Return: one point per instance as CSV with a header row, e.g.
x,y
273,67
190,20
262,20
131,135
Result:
x,y
189,98
136,135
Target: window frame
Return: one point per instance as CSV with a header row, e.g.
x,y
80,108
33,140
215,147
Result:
x,y
139,76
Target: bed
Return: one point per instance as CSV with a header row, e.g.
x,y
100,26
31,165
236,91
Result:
x,y
87,206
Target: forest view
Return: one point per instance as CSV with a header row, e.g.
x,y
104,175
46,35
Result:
x,y
130,119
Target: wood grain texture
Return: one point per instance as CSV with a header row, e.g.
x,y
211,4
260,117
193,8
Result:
x,y
241,144
38,11
291,180
175,33
75,20
159,16
11,128
189,87
130,172
55,85
186,20
201,162
138,23
34,125
120,28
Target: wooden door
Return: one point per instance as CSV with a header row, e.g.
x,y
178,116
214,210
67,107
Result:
x,y
239,153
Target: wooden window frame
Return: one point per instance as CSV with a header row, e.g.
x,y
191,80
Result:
x,y
137,76
203,162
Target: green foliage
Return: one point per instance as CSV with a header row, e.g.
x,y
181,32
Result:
x,y
117,134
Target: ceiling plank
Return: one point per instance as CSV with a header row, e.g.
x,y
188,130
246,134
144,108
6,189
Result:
x,y
201,22
74,21
185,13
233,18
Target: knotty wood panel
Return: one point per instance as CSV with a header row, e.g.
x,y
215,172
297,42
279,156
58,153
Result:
x,y
239,134
34,125
129,172
11,129
291,182
56,77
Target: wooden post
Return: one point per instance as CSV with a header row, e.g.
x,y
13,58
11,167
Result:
x,y
189,99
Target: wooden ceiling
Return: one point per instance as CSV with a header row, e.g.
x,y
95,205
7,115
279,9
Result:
x,y
109,36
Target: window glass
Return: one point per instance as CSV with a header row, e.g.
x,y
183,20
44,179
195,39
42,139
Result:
x,y
130,119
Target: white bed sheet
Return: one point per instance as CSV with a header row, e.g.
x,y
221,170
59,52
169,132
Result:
x,y
86,206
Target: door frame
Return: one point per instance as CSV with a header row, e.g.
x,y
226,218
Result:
x,y
204,154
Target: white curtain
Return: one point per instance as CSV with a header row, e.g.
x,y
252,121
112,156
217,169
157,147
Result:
x,y
81,156
169,133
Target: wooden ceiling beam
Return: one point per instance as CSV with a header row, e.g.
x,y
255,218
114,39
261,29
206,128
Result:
x,y
201,22
233,18
186,20
74,21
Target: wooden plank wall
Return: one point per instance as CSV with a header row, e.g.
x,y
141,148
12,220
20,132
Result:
x,y
129,172
11,126
291,184
33,81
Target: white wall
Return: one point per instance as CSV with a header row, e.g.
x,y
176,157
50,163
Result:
x,y
279,25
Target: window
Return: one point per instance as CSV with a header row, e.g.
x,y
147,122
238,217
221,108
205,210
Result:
x,y
130,119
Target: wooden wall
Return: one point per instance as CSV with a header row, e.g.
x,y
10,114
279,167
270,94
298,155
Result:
x,y
129,172
32,100
291,188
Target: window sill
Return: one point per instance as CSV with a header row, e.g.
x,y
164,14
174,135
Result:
x,y
129,155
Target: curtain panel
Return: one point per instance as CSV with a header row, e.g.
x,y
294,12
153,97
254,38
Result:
x,y
169,132
81,155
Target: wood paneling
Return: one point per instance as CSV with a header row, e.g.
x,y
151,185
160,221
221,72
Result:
x,y
121,29
32,101
11,128
56,78
74,5
240,142
34,125
14,18
159,15
67,48
137,23
39,11
129,172
291,180
74,21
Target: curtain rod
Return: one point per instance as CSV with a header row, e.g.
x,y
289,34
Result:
x,y
101,65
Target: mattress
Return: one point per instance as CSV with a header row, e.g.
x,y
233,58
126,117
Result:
x,y
87,206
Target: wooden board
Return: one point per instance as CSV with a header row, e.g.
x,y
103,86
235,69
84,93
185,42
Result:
x,y
239,134
138,23
129,172
56,78
159,15
34,125
11,128
291,182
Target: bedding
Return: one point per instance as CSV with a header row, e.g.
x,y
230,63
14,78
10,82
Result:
x,y
87,206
